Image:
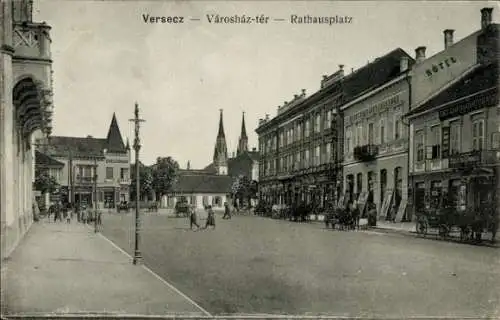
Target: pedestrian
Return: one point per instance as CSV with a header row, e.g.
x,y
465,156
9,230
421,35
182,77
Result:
x,y
193,221
84,214
210,217
227,211
69,213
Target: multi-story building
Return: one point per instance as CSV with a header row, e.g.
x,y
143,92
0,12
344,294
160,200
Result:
x,y
301,149
454,126
95,169
376,143
25,112
54,169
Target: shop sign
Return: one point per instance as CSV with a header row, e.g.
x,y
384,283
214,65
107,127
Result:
x,y
445,64
376,108
445,143
464,159
468,106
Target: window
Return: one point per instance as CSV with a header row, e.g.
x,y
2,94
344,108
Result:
x,y
317,126
298,132
348,139
308,128
370,133
382,131
419,145
297,160
123,173
328,153
328,119
478,134
109,173
359,183
317,156
397,127
306,162
455,137
435,142
359,135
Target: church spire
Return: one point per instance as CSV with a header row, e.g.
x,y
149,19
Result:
x,y
243,142
220,151
114,139
221,126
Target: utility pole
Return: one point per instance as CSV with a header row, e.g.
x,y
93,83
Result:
x,y
95,194
137,147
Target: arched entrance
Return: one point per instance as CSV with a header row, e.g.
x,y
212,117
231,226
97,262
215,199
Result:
x,y
32,111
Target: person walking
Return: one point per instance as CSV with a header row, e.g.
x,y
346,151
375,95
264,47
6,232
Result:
x,y
210,218
227,211
193,219
84,215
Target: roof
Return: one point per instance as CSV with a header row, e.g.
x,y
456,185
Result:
x,y
210,167
202,183
114,138
90,146
361,81
77,147
483,78
374,74
41,159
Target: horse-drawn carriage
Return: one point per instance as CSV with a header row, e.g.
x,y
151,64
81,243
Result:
x,y
470,223
182,208
341,218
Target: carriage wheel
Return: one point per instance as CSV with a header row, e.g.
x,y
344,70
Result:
x,y
444,231
422,227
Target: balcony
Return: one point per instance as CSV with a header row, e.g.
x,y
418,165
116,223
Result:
x,y
473,158
124,181
84,180
32,40
365,153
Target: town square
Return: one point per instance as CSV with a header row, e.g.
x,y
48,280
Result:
x,y
149,170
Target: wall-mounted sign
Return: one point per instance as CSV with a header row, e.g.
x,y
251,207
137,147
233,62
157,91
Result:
x,y
445,142
376,108
116,161
464,159
435,68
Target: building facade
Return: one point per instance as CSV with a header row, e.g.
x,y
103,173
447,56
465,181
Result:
x,y
454,129
54,169
376,146
25,113
95,169
301,149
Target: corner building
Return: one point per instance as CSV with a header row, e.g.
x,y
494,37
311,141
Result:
x,y
25,113
376,142
454,127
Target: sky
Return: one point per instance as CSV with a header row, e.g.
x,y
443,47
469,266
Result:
x,y
105,58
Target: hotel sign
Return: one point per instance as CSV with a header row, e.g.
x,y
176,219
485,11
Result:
x,y
445,64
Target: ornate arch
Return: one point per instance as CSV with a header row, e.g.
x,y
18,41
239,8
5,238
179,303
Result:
x,y
33,107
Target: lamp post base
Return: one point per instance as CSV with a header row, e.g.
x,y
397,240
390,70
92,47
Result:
x,y
137,258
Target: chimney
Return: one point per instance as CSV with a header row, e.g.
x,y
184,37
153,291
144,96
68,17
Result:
x,y
188,167
420,54
448,38
267,116
254,149
403,66
341,70
303,94
486,17
295,96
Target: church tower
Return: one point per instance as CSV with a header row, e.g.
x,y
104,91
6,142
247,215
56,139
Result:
x,y
220,152
243,142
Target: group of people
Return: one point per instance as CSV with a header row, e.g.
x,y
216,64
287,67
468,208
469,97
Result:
x,y
193,218
66,212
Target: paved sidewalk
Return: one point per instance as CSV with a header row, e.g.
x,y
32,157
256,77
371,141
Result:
x,y
67,269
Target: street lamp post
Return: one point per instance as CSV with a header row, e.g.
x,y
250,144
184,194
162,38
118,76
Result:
x,y
137,147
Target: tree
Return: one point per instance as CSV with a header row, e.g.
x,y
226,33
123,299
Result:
x,y
145,180
44,182
244,189
164,175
